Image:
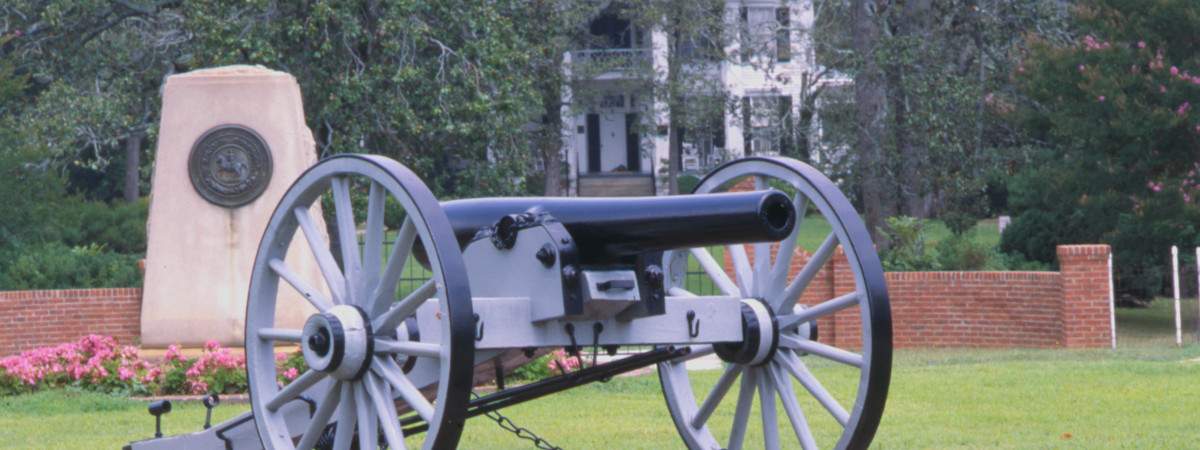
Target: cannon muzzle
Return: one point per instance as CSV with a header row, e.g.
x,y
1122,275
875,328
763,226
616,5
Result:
x,y
608,229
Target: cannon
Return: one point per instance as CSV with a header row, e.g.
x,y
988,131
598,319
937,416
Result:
x,y
391,366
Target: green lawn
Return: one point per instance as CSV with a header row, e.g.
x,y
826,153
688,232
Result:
x,y
1143,395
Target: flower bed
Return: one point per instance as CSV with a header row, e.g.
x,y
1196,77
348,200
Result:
x,y
96,363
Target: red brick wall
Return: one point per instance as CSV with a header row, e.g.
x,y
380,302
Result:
x,y
1086,315
32,319
978,309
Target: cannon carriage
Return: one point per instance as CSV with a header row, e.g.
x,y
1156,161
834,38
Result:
x,y
509,278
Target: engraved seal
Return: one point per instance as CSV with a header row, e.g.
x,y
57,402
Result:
x,y
230,166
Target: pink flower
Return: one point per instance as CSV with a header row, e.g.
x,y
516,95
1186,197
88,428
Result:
x,y
1183,108
1101,98
1082,68
989,97
291,373
1174,70
1162,89
1020,69
1133,68
1141,44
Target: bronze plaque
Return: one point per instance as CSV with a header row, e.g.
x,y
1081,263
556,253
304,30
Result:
x,y
230,166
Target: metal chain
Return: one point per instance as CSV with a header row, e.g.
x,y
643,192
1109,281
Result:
x,y
523,433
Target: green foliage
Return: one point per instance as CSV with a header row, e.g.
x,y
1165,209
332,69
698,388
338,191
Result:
x,y
436,85
54,265
535,370
1113,133
118,227
906,246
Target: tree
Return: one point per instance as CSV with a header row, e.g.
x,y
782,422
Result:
x,y
440,86
926,130
1109,120
96,69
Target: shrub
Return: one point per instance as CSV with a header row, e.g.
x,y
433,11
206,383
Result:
x,y
96,363
57,266
93,363
963,252
906,250
545,366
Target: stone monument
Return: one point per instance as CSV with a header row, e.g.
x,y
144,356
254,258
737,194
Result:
x,y
232,140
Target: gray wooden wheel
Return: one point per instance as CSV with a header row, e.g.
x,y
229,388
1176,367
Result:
x,y
364,363
848,387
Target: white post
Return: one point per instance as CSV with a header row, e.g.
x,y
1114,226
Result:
x,y
1175,278
1198,284
1112,300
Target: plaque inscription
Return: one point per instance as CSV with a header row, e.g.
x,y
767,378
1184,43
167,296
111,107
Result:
x,y
230,166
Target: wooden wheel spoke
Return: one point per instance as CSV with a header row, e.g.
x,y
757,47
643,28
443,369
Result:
x,y
381,397
766,402
279,334
306,289
795,289
714,398
823,309
715,272
388,371
373,241
403,308
346,419
741,415
347,236
329,268
294,389
386,288
822,350
320,419
793,365
741,269
787,249
792,406
390,346
368,437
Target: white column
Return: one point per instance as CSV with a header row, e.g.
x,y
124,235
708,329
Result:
x,y
570,149
662,148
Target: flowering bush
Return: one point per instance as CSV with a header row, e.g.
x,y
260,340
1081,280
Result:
x,y
290,365
559,360
1111,132
97,363
94,362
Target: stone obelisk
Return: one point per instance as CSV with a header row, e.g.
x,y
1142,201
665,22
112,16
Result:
x,y
232,140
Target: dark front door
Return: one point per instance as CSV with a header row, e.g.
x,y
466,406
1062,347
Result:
x,y
593,143
633,149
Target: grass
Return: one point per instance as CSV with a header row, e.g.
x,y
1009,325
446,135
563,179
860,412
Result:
x,y
1141,395
71,419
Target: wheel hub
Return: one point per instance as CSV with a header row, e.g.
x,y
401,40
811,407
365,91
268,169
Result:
x,y
760,336
339,342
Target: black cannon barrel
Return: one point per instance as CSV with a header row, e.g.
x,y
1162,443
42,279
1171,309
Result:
x,y
606,229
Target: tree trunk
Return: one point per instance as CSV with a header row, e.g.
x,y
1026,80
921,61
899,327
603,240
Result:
x,y
133,153
870,97
552,149
914,152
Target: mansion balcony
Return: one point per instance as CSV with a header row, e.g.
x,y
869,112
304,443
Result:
x,y
613,63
